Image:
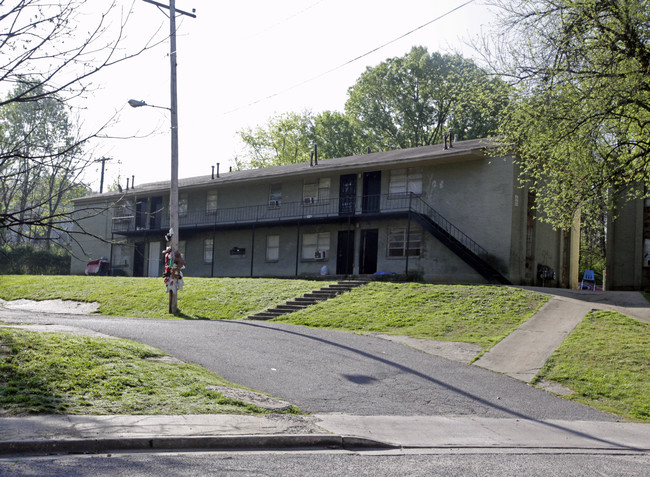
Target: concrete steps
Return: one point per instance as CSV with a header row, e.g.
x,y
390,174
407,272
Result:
x,y
308,299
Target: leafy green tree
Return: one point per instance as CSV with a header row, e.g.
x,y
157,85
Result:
x,y
40,163
336,135
408,101
283,140
580,115
289,139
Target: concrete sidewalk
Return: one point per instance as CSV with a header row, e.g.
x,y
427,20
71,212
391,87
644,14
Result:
x,y
105,434
522,354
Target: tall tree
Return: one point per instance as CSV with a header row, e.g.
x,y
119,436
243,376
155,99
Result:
x,y
40,161
408,101
49,54
289,138
580,116
283,140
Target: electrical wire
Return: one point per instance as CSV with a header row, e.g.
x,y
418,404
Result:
x,y
314,78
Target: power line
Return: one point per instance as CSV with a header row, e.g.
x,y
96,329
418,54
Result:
x,y
314,78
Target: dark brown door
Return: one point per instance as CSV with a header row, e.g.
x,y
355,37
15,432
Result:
x,y
371,192
345,253
368,251
347,194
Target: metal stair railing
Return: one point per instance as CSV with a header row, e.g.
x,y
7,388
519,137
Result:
x,y
418,205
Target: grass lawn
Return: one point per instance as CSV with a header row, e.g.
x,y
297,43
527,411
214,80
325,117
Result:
x,y
201,298
606,362
57,373
482,315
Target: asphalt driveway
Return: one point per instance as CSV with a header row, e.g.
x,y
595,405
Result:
x,y
324,371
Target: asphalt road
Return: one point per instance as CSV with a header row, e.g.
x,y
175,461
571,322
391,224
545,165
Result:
x,y
324,371
456,463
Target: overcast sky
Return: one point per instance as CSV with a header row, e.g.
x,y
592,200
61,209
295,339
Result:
x,y
240,62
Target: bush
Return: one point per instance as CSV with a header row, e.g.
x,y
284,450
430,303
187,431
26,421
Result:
x,y
26,260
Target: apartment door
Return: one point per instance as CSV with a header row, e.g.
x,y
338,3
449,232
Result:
x,y
153,266
141,214
155,212
138,260
345,253
371,192
347,194
368,251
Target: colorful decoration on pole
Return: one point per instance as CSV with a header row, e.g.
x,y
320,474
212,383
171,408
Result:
x,y
173,276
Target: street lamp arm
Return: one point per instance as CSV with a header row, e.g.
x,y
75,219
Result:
x,y
134,103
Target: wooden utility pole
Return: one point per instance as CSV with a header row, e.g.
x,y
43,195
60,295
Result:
x,y
101,180
173,192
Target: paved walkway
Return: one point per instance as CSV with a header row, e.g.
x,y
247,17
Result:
x,y
104,434
520,355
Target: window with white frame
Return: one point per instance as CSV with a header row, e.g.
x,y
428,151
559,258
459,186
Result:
x,y
398,243
272,248
182,205
315,246
316,191
208,247
403,181
211,202
275,195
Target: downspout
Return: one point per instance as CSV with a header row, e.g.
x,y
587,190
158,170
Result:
x,y
214,235
297,247
252,250
408,234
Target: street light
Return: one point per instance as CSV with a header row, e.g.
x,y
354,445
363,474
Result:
x,y
134,103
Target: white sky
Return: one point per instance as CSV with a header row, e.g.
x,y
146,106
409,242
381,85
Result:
x,y
240,52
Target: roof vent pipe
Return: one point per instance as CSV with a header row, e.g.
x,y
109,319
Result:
x,y
212,172
368,150
230,168
311,158
445,135
217,170
127,183
132,182
315,154
451,135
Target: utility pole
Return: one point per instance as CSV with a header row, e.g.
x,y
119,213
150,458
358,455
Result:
x,y
173,193
101,181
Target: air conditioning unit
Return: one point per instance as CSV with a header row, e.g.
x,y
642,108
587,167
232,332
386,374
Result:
x,y
274,203
308,200
320,254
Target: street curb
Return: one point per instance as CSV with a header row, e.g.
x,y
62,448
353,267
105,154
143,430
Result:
x,y
101,446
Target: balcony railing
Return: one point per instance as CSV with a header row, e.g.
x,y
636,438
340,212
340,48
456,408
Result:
x,y
272,212
308,209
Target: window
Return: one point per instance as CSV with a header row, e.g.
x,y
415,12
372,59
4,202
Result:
x,y
275,195
182,205
403,181
208,245
211,202
272,248
397,242
316,191
315,246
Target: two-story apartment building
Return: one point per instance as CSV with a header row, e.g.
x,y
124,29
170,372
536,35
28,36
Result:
x,y
451,215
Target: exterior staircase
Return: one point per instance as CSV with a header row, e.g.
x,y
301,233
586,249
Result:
x,y
308,299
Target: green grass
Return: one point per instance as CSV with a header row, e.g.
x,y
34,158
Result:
x,y
57,373
606,362
201,298
482,315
